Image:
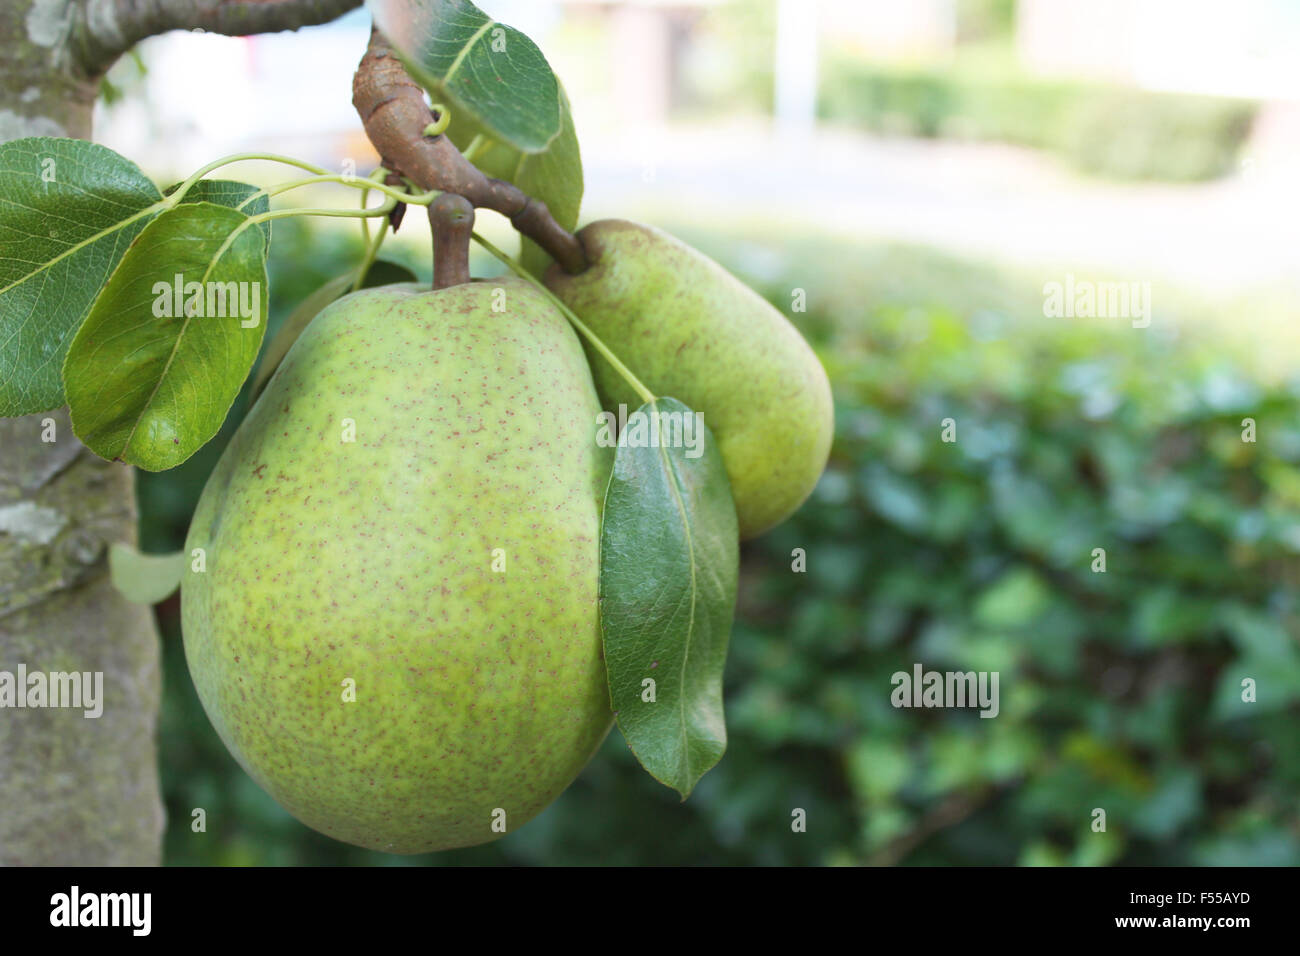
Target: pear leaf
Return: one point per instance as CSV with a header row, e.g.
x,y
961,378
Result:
x,y
160,358
553,175
383,272
227,192
669,562
486,70
68,211
144,578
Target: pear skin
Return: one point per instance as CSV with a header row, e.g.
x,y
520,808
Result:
x,y
689,329
395,630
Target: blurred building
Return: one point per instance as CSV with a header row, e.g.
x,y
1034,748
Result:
x,y
1220,47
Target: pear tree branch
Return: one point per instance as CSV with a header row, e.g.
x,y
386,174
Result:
x,y
100,32
238,17
392,109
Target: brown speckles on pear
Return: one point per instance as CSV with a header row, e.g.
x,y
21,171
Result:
x,y
474,689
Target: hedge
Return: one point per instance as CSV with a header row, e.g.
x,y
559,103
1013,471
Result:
x,y
1115,132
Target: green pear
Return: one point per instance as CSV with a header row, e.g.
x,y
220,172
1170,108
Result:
x,y
689,329
393,622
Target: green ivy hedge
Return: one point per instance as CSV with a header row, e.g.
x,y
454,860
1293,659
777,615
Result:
x,y
1119,690
1106,131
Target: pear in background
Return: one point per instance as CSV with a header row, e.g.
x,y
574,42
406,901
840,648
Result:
x,y
691,330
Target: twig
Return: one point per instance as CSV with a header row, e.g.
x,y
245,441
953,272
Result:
x,y
392,109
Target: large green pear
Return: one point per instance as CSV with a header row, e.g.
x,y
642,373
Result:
x,y
393,624
689,329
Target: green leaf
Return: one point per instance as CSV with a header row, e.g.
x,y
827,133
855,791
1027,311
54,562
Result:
x,y
553,175
383,272
1015,600
144,578
489,72
380,273
149,383
248,199
68,211
669,560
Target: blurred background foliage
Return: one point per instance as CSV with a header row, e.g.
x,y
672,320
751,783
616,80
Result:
x,y
978,89
1119,690
793,156
1098,128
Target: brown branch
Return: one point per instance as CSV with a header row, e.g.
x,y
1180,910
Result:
x,y
97,41
245,17
392,109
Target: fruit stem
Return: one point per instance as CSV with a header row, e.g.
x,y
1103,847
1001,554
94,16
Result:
x,y
378,174
372,250
644,393
229,241
353,182
478,144
451,218
179,193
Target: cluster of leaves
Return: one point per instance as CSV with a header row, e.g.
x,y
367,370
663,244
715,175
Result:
x,y
1119,690
89,251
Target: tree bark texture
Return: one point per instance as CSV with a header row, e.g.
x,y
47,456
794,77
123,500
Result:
x,y
74,789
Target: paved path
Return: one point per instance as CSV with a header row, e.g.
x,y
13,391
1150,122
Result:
x,y
986,200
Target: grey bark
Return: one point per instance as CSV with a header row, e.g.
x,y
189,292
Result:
x,y
73,789
76,789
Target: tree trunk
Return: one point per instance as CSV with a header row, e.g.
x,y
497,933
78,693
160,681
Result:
x,y
73,789
77,789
